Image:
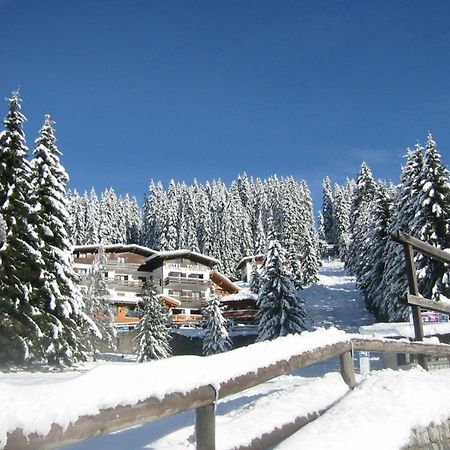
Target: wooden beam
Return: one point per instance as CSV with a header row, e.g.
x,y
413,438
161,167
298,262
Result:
x,y
422,247
398,346
414,290
425,303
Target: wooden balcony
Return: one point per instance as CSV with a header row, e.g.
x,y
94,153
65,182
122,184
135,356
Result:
x,y
186,280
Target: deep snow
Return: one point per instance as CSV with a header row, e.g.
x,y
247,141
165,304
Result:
x,y
355,422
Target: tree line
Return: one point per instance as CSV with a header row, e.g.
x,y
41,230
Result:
x,y
359,217
228,223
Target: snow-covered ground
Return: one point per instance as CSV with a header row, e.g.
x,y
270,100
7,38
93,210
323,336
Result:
x,y
335,300
357,421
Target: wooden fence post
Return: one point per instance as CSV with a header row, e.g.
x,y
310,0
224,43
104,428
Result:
x,y
414,290
348,369
205,427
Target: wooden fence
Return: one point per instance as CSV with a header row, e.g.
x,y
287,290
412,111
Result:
x,y
203,398
413,297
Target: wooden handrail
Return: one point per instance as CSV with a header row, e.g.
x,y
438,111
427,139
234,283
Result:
x,y
203,397
422,247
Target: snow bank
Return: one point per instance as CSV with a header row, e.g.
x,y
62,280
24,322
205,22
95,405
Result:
x,y
34,407
380,413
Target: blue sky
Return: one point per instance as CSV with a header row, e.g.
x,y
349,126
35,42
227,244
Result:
x,y
143,89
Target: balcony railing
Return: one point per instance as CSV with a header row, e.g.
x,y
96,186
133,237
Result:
x,y
186,280
125,283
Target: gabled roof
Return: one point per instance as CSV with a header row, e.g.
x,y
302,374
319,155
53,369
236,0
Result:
x,y
248,258
224,282
158,258
116,248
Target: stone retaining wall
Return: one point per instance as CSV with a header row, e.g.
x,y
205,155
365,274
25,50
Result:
x,y
434,437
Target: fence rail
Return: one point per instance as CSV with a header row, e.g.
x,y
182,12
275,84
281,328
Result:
x,y
203,398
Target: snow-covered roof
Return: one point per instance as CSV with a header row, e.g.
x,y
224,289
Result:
x,y
156,259
248,258
240,296
223,281
170,300
115,248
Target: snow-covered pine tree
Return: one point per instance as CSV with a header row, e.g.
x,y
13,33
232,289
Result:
x,y
216,339
394,283
110,231
370,278
320,226
432,222
92,219
255,278
153,338
362,204
341,219
281,312
169,231
327,211
58,298
21,262
310,244
98,306
133,220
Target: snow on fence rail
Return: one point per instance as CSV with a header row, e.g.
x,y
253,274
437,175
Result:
x,y
51,415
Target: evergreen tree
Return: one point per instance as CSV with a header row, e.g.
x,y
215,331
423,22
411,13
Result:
x,y
98,306
328,212
431,223
21,262
280,311
58,297
255,278
395,283
370,278
216,339
362,204
92,219
153,338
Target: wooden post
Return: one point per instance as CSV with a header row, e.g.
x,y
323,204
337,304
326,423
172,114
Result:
x,y
414,290
348,369
205,427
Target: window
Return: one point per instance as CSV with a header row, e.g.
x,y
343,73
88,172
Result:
x,y
198,276
130,311
177,274
121,260
196,295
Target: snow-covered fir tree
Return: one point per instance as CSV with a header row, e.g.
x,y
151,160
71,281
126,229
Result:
x,y
281,311
255,278
98,305
394,282
362,205
328,212
216,339
341,219
432,222
21,262
153,334
377,238
92,234
59,297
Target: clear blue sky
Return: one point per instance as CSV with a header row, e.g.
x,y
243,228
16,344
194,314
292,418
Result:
x,y
143,89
